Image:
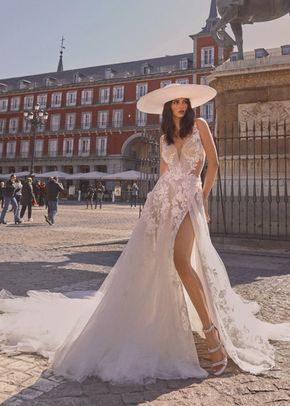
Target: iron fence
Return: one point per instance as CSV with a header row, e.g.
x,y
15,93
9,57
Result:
x,y
251,195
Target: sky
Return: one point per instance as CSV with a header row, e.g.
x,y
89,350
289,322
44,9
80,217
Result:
x,y
100,32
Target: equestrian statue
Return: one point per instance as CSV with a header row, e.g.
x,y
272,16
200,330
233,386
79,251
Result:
x,y
239,12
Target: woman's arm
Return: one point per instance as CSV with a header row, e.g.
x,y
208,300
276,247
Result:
x,y
212,159
163,164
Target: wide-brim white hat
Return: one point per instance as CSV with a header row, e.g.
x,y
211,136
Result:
x,y
154,101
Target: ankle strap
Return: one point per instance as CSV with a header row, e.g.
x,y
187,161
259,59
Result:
x,y
216,348
209,329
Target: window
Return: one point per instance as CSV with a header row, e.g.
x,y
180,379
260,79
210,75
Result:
x,y
28,102
86,120
11,148
118,93
15,103
52,148
3,105
2,126
84,146
141,118
55,122
71,98
146,69
203,80
38,148
117,118
70,120
24,149
207,111
104,95
77,77
141,90
26,126
13,125
68,147
182,81
103,117
109,73
87,96
56,100
101,146
164,83
183,64
207,56
1,149
42,100
24,84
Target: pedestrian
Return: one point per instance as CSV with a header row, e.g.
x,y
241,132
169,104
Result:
x,y
90,194
42,193
100,190
9,197
53,190
134,194
27,199
36,190
2,186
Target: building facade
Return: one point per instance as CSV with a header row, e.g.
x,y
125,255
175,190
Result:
x,y
93,121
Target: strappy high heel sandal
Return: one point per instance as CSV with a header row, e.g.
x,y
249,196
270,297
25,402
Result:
x,y
224,361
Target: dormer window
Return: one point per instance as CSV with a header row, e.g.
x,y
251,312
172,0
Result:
x,y
285,49
78,77
183,64
50,81
3,87
24,84
261,53
109,73
146,69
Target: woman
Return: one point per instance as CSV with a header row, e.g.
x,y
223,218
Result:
x,y
168,281
27,199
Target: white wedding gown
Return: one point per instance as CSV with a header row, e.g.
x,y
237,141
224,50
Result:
x,y
138,325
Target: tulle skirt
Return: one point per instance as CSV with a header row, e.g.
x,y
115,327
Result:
x,y
138,326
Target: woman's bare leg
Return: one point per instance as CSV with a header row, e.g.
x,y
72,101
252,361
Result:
x,y
182,256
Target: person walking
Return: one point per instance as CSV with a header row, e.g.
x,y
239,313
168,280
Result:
x,y
53,190
90,193
9,197
2,186
100,190
134,194
27,199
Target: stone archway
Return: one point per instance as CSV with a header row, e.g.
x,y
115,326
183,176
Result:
x,y
133,151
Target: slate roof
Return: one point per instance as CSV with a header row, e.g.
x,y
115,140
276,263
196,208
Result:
x,y
122,70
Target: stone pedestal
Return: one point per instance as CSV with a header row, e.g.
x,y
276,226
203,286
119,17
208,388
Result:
x,y
253,89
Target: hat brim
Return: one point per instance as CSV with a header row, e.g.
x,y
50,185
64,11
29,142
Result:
x,y
153,102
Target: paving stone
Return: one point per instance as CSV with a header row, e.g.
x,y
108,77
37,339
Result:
x,y
132,398
109,400
29,393
71,257
69,389
95,388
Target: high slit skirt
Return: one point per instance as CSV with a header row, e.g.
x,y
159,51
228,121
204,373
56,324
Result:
x,y
138,326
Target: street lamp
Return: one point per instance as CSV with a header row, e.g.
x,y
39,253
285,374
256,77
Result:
x,y
36,118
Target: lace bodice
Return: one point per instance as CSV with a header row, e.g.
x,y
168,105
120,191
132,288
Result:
x,y
191,154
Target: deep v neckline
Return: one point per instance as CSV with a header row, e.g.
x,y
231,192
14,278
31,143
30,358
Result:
x,y
179,153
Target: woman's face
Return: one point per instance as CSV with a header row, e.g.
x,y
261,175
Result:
x,y
179,107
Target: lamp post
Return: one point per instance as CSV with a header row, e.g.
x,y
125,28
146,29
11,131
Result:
x,y
36,118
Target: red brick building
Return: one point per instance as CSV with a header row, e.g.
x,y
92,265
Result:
x,y
93,122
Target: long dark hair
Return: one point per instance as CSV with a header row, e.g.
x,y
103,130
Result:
x,y
168,126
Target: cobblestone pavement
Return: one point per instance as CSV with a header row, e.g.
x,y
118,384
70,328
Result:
x,y
76,254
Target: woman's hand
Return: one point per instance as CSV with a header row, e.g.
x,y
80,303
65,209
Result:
x,y
205,205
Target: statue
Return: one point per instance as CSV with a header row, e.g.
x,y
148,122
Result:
x,y
239,12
